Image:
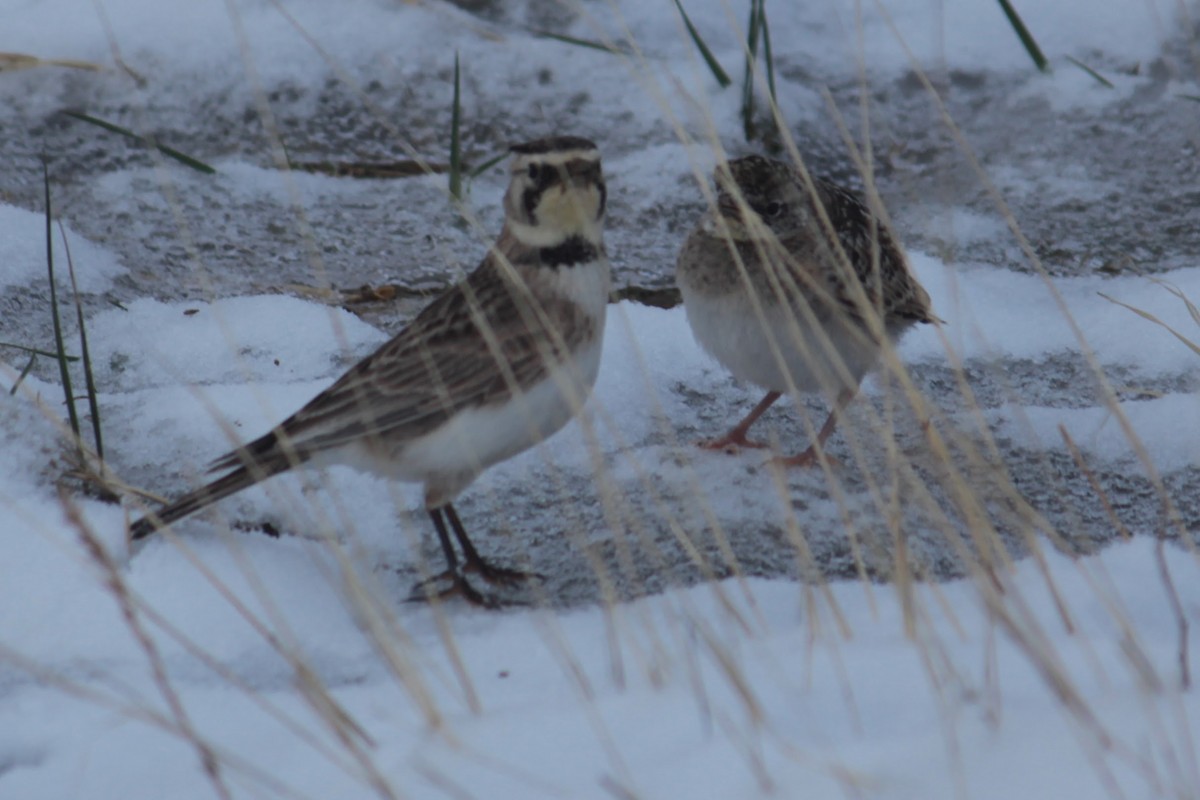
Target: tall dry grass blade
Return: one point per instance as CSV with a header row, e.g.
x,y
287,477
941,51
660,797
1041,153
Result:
x,y
170,152
1193,311
12,62
293,724
1151,317
1181,621
115,583
1093,481
1031,46
551,633
142,713
1109,396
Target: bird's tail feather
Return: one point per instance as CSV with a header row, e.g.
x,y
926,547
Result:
x,y
223,487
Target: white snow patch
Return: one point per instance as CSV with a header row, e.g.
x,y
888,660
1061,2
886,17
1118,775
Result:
x,y
23,254
272,338
997,312
1167,427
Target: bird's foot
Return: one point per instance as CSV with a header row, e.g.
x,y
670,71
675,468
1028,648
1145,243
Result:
x,y
732,443
501,575
808,458
448,584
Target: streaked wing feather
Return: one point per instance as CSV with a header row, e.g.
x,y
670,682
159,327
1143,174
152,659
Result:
x,y
438,365
859,231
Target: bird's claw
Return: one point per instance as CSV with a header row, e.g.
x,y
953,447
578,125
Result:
x,y
457,585
502,575
808,458
732,444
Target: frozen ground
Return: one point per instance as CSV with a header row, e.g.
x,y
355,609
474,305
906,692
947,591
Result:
x,y
741,688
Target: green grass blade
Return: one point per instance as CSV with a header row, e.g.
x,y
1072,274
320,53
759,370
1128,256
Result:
x,y
455,142
752,31
36,352
766,41
170,152
89,378
562,37
24,373
60,354
485,166
1099,78
1195,98
1025,36
714,66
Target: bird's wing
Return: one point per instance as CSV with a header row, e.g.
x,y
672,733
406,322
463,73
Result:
x,y
877,261
474,345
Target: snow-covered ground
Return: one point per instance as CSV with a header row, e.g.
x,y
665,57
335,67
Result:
x,y
250,666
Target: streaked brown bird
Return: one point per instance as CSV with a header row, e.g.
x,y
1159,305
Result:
x,y
794,286
493,366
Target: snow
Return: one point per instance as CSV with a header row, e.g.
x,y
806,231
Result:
x,y
23,253
833,715
964,34
867,712
1035,322
297,662
223,342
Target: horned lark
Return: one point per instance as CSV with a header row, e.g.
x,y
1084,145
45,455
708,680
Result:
x,y
490,368
794,288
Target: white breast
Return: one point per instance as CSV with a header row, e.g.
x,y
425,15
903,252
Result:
x,y
448,458
587,285
774,347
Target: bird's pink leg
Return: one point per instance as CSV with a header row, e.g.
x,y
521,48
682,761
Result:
x,y
809,457
736,438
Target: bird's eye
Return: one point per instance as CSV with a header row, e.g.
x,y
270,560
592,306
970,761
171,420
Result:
x,y
774,209
534,172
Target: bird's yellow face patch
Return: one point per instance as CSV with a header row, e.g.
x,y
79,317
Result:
x,y
556,196
571,209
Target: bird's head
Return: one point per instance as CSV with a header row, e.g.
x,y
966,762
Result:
x,y
556,193
755,194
